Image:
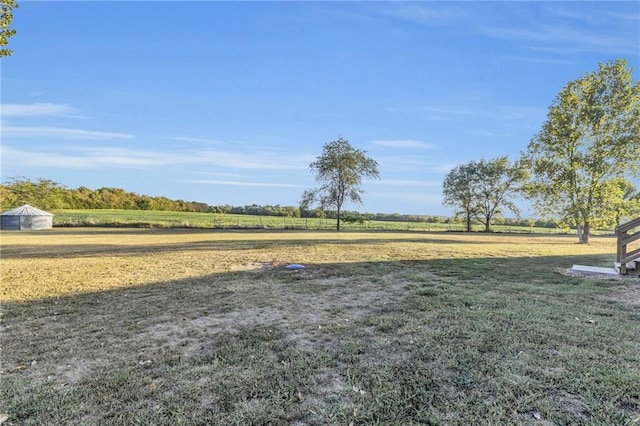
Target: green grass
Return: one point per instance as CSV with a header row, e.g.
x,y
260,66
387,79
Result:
x,y
163,219
169,327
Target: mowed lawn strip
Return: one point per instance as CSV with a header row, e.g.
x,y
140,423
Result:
x,y
151,326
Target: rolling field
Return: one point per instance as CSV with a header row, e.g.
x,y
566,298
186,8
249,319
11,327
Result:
x,y
168,219
184,326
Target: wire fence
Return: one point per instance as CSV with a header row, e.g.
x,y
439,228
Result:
x,y
156,219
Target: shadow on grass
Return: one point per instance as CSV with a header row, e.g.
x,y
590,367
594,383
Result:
x,y
485,340
53,251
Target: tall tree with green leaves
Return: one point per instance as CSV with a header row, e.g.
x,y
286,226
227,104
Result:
x,y
590,138
6,31
483,189
497,187
458,192
340,170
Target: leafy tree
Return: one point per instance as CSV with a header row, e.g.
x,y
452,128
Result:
x,y
222,209
44,194
7,198
5,22
626,200
340,170
590,138
458,192
482,189
497,183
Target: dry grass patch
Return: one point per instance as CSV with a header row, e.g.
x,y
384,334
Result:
x,y
201,327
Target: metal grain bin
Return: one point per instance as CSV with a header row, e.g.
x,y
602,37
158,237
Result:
x,y
25,218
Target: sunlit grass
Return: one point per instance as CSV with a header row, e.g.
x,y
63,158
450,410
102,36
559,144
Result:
x,y
64,261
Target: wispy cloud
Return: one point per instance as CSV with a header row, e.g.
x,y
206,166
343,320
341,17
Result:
x,y
60,133
551,61
243,183
425,13
559,28
565,28
588,17
631,17
404,143
84,157
259,160
563,38
37,109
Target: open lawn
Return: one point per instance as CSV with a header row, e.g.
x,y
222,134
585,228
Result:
x,y
179,326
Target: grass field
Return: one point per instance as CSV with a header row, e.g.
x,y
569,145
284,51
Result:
x,y
183,326
165,219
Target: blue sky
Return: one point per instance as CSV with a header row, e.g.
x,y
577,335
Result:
x,y
229,102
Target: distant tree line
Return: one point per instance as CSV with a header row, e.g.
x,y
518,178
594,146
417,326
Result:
x,y
46,194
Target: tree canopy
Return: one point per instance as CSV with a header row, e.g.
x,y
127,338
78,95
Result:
x,y
483,189
457,190
590,139
340,170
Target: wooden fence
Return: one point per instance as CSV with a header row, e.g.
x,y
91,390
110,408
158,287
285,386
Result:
x,y
626,236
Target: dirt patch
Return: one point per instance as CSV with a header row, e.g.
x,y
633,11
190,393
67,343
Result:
x,y
255,267
306,304
627,296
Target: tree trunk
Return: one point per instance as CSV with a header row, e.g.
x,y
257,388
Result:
x,y
584,239
583,233
487,225
338,221
468,222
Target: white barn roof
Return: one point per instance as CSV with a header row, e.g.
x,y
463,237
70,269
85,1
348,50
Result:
x,y
25,210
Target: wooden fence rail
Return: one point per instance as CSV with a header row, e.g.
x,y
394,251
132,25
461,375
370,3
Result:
x,y
626,236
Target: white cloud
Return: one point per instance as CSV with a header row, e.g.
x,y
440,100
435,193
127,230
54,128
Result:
x,y
36,109
242,183
104,157
406,143
59,132
85,158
